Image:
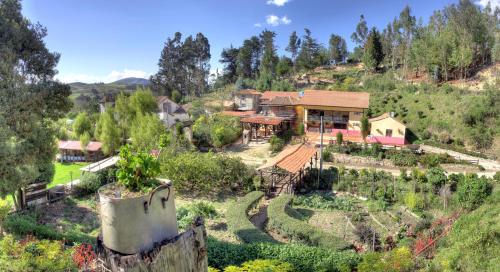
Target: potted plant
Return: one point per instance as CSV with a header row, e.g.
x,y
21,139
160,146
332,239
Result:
x,y
138,210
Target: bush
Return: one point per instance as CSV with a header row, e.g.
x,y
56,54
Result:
x,y
237,219
31,254
366,235
402,158
89,184
207,173
414,201
5,208
217,130
303,258
187,214
398,259
280,218
277,144
261,266
472,191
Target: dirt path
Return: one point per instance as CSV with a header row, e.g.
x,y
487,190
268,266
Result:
x,y
259,219
486,163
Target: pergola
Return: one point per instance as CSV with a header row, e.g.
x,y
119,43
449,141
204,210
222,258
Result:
x,y
287,169
271,125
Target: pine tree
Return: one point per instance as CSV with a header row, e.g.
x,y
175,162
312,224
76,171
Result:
x,y
338,48
373,54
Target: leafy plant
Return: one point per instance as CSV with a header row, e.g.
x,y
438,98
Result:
x,y
276,143
187,214
261,266
89,184
323,201
473,190
83,256
137,172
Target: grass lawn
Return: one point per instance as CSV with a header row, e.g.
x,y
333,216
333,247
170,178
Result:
x,y
65,171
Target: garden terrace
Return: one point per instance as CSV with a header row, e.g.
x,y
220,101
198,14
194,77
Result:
x,y
238,222
284,219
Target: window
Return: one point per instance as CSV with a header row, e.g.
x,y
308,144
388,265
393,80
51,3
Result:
x,y
388,132
357,113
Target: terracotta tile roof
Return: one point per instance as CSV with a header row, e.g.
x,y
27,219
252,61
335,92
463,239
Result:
x,y
270,95
263,120
335,99
75,145
249,91
293,158
280,101
238,113
383,116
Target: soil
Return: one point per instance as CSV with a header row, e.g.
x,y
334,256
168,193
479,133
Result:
x,y
117,190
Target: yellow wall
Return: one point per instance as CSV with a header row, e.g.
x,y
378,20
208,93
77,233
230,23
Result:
x,y
324,108
379,127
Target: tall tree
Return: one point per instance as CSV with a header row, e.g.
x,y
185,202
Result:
x,y
361,33
108,132
30,102
293,45
373,54
338,48
249,58
229,58
309,55
269,60
406,25
183,66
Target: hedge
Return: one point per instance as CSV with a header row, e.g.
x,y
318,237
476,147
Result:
x,y
303,258
238,222
280,218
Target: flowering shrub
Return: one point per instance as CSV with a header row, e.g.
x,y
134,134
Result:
x,y
84,256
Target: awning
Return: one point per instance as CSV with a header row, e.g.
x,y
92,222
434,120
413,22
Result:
x,y
263,120
292,158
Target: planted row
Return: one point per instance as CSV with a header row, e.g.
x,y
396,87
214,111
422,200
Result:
x,y
283,218
303,258
238,222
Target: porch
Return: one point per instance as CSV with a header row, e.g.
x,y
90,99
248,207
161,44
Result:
x,y
263,127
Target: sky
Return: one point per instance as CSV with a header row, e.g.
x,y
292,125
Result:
x,y
106,40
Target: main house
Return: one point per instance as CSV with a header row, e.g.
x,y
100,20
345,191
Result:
x,y
341,111
171,113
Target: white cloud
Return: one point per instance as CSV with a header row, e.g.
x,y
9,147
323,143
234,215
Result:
x,y
112,76
257,25
278,3
274,20
494,3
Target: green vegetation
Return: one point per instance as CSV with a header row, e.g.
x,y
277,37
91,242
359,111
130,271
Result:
x,y
301,257
399,259
283,218
240,225
31,254
205,173
188,213
259,266
323,201
65,172
137,172
472,191
277,144
473,243
216,130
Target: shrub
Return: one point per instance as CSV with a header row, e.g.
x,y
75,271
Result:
x,y
31,254
277,144
301,129
261,266
303,258
368,236
280,218
187,214
437,177
238,222
472,191
89,184
430,160
414,201
327,156
207,173
217,130
402,158
398,259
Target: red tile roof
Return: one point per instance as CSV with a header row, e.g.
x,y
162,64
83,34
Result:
x,y
76,145
263,120
270,95
335,99
293,158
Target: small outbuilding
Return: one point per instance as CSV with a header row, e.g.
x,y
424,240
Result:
x,y
72,151
386,129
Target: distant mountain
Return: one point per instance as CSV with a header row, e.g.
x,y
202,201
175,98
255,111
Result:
x,y
132,81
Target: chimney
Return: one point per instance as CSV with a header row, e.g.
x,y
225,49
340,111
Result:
x,y
392,114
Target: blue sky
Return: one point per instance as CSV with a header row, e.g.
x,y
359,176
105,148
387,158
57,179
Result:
x,y
105,40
